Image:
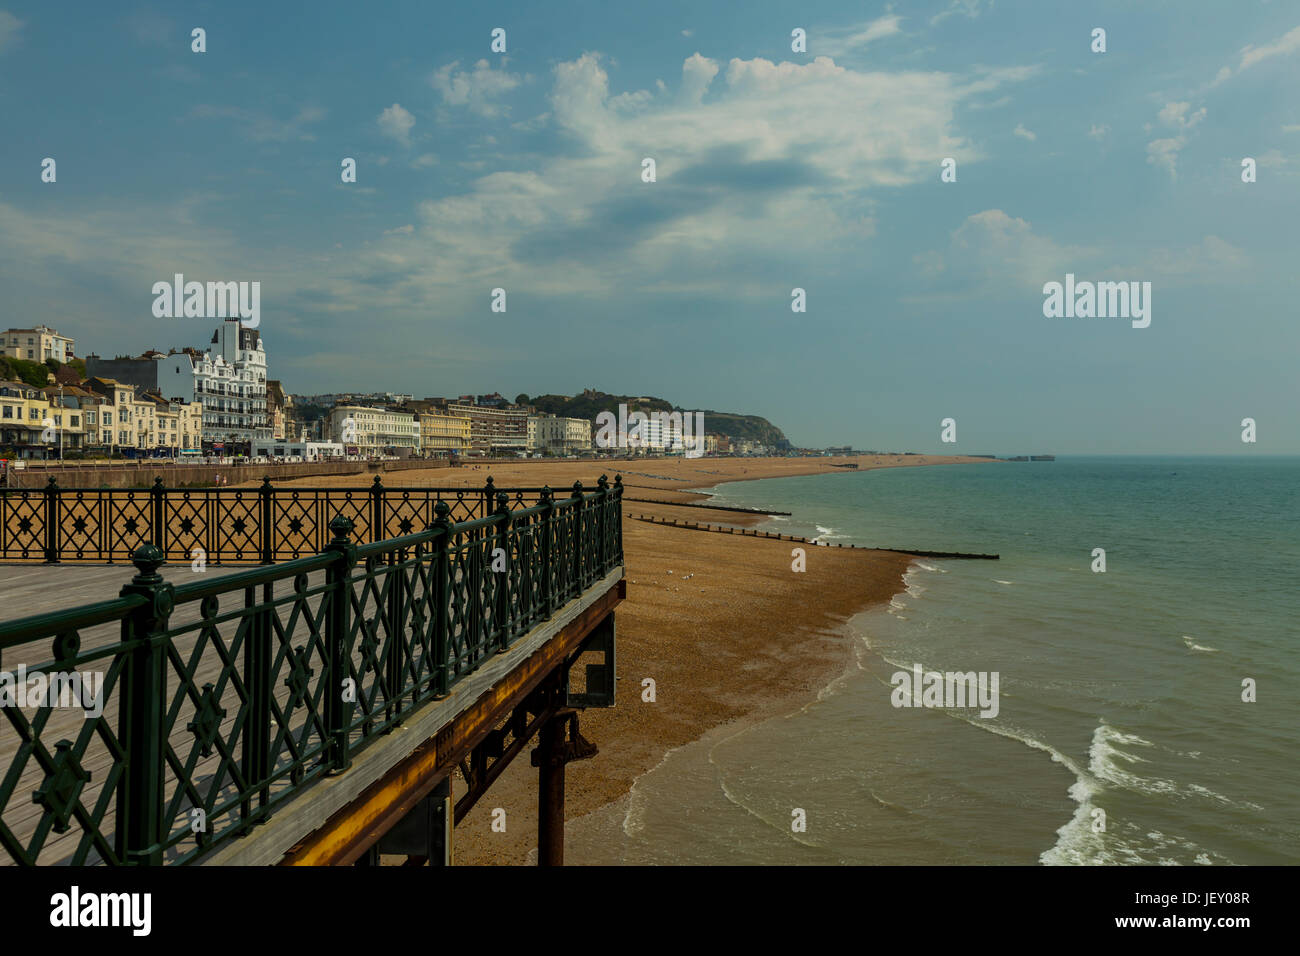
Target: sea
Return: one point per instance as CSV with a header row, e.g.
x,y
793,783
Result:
x,y
1148,713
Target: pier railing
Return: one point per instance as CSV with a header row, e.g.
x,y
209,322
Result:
x,y
154,727
226,525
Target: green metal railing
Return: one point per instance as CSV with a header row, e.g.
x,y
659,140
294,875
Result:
x,y
228,525
222,699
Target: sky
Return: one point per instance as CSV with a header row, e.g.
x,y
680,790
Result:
x,y
774,170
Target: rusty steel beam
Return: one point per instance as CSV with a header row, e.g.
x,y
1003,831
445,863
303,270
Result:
x,y
479,786
350,832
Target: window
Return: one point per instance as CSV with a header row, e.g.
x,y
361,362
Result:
x,y
9,411
74,421
34,414
108,418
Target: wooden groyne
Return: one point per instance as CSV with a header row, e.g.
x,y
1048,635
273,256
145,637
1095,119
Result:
x,y
755,533
690,504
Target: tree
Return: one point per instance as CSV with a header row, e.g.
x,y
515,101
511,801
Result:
x,y
521,399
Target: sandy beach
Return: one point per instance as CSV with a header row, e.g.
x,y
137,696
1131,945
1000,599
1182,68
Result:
x,y
742,638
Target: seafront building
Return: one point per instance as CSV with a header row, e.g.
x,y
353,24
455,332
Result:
x,y
364,430
36,344
555,435
442,433
497,427
299,450
228,380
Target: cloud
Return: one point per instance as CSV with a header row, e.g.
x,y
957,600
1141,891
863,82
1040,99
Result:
x,y
1210,260
688,33
260,127
1098,131
761,169
424,161
1179,115
754,160
967,8
1284,45
1024,133
839,41
1163,152
396,123
474,89
9,27
697,73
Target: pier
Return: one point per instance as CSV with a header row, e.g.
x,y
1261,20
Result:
x,y
315,709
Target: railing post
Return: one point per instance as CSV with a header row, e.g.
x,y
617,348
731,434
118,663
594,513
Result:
x,y
618,524
548,576
266,493
139,835
377,530
489,494
52,522
601,507
441,595
502,577
577,539
158,496
336,637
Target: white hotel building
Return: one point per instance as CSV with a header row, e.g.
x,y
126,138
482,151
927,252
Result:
x,y
229,379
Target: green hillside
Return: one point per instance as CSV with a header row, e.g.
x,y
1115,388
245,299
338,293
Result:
x,y
586,406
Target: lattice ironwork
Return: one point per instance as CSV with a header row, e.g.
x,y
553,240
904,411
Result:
x,y
218,701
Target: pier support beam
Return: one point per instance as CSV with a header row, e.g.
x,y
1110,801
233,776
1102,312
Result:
x,y
550,794
554,750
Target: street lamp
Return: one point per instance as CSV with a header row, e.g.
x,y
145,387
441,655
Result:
x,y
62,412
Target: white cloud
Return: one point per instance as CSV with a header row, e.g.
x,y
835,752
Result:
x,y
396,123
1211,259
1163,152
697,73
688,33
967,8
839,41
1024,133
1098,131
1284,45
425,160
763,168
1179,115
476,89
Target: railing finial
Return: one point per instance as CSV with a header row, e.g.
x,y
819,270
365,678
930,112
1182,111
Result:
x,y
341,526
442,510
148,558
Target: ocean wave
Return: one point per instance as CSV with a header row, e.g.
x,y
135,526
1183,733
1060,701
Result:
x,y
929,567
1193,646
996,581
